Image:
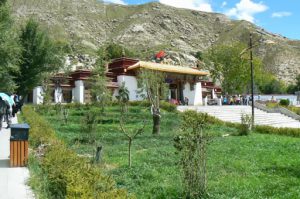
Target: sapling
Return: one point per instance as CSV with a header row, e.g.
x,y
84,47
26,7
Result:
x,y
191,144
131,135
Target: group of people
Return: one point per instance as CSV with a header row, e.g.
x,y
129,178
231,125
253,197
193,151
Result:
x,y
8,110
185,101
236,100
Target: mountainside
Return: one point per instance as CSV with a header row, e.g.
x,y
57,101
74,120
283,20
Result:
x,y
88,24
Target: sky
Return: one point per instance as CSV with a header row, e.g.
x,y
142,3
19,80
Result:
x,y
276,16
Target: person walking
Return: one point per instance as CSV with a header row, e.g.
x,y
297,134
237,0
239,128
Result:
x,y
2,111
8,114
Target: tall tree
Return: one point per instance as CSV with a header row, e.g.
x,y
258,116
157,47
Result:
x,y
153,87
41,55
227,66
9,50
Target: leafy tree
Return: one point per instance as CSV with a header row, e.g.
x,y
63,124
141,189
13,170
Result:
x,y
294,87
40,56
152,83
116,51
123,97
272,86
9,50
199,55
233,71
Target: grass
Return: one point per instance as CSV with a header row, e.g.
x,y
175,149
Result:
x,y
254,166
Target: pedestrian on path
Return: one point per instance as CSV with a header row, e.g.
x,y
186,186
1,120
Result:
x,y
2,111
8,114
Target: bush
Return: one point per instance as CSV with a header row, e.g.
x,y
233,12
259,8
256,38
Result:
x,y
61,173
278,131
245,126
294,109
163,105
284,102
40,131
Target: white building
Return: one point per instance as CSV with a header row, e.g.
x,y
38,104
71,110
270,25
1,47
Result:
x,y
184,82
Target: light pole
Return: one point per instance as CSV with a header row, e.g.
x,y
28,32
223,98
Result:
x,y
250,47
252,79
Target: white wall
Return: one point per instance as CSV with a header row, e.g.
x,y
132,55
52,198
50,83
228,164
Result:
x,y
189,94
37,97
195,96
198,94
132,86
58,95
79,91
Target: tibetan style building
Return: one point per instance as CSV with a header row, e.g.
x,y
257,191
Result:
x,y
184,82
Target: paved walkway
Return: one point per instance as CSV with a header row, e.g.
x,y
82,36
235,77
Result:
x,y
12,180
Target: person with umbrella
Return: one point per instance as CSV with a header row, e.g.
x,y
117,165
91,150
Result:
x,y
3,107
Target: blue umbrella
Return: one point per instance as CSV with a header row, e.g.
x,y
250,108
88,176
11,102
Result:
x,y
7,98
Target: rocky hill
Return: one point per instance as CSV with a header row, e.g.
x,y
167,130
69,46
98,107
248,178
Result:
x,y
88,24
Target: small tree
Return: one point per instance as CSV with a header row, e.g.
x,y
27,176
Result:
x,y
130,136
123,97
191,144
246,122
65,115
46,94
88,127
152,83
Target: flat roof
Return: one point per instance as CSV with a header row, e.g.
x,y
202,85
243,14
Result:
x,y
168,68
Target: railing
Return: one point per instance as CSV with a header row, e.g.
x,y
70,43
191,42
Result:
x,y
281,110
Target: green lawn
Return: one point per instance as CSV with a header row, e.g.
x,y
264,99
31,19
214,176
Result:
x,y
255,166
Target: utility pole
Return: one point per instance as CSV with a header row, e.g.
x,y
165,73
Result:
x,y
252,79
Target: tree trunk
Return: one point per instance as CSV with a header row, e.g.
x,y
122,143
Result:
x,y
156,124
129,152
98,154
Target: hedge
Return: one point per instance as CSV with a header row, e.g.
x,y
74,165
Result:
x,y
59,172
278,131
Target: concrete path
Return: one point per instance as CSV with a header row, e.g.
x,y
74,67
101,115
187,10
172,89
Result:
x,y
12,180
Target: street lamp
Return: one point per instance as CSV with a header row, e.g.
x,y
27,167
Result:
x,y
252,70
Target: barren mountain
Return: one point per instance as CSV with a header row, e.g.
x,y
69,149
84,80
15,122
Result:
x,y
88,24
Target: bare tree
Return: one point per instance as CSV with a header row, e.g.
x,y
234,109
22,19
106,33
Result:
x,y
131,135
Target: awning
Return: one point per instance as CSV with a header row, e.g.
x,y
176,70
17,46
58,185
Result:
x,y
168,68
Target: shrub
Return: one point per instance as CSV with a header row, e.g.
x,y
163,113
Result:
x,y
163,105
246,121
40,131
284,102
278,131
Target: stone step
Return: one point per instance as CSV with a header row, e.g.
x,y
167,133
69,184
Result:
x,y
234,113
